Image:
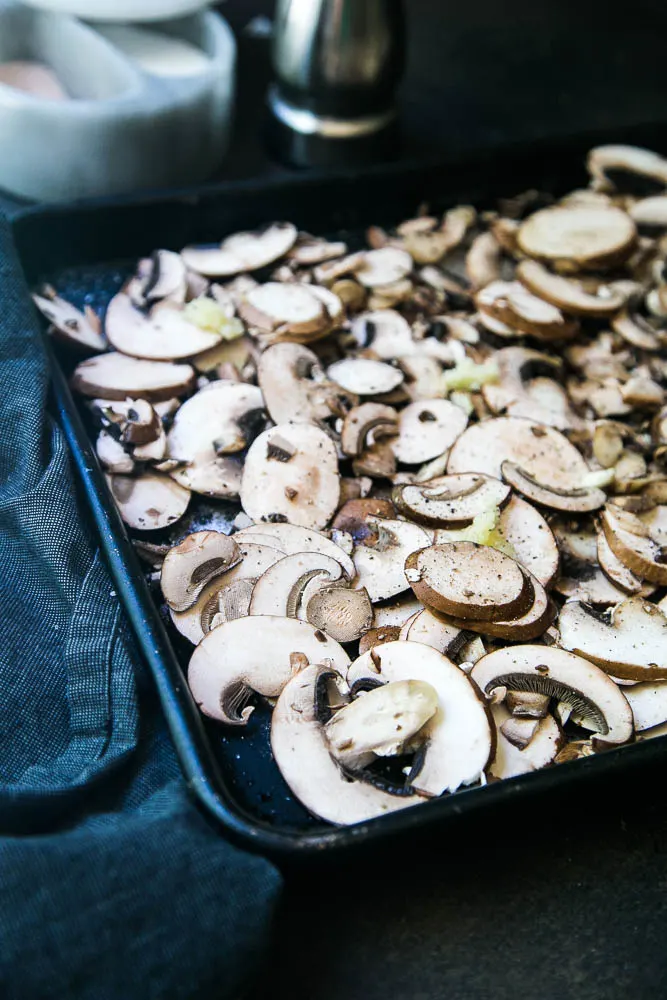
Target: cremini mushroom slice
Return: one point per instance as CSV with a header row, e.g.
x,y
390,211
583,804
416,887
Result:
x,y
380,559
628,642
450,500
309,250
650,213
342,613
612,567
227,594
378,636
510,760
383,267
292,539
525,535
291,474
385,332
581,577
277,308
542,452
585,237
189,566
214,477
576,500
511,303
562,675
469,581
380,722
365,376
242,251
483,260
221,419
526,387
132,421
567,294
433,629
81,330
648,703
527,704
426,429
295,387
458,737
629,540
397,611
285,588
636,331
303,755
364,423
166,277
253,655
610,164
115,376
149,501
531,625
112,455
164,334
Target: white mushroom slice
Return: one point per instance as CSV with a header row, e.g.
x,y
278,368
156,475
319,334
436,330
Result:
x,y
242,251
426,429
253,655
637,551
225,594
581,577
650,212
332,304
364,376
469,581
149,501
291,474
542,452
531,625
628,642
219,420
430,246
604,161
368,420
385,332
161,335
566,294
309,251
284,589
483,260
135,420
423,376
166,277
574,500
217,477
281,308
519,731
115,376
303,755
380,562
396,613
636,331
330,271
512,304
295,388
458,736
529,538
649,704
112,455
343,614
588,237
527,704
380,722
612,566
562,675
70,325
433,629
509,760
384,267
292,538
189,566
450,500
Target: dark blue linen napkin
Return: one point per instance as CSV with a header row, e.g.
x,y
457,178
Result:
x,y
112,884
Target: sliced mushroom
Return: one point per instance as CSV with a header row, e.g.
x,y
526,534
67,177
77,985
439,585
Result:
x,y
581,577
459,738
383,267
81,330
221,419
542,452
385,332
526,387
396,612
162,335
191,565
214,477
291,474
433,629
469,581
628,539
575,500
511,760
369,420
309,250
115,376
303,755
530,539
607,164
292,539
628,642
531,625
149,501
612,566
166,277
364,376
112,455
511,303
242,251
295,388
378,636
527,704
426,429
562,675
450,500
649,704
636,331
253,655
343,614
285,588
132,421
585,236
380,559
285,309
483,260
566,294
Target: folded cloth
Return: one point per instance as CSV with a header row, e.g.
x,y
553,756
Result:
x,y
112,883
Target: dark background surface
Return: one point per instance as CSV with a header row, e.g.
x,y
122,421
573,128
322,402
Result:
x,y
563,898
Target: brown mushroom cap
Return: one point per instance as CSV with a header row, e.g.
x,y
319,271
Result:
x,y
637,551
531,625
469,581
630,642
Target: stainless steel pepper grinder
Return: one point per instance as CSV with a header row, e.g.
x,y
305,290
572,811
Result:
x,y
337,64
